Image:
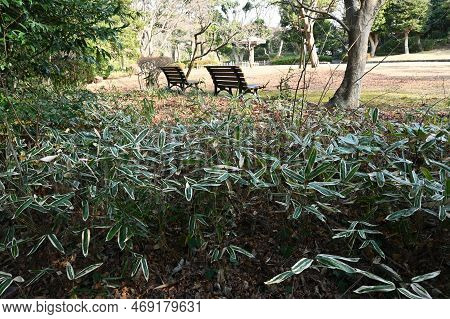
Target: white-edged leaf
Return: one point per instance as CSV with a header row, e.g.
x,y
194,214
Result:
x,y
392,272
349,259
88,270
39,275
333,263
408,294
113,231
280,278
232,254
375,277
85,241
137,264
56,243
428,276
36,247
162,138
48,159
70,272
242,251
325,191
14,248
369,289
442,213
122,238
141,136
402,214
422,292
188,192
297,212
4,285
22,207
85,210
144,267
301,265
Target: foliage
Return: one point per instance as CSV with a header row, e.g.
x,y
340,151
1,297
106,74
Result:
x,y
115,186
39,37
406,16
439,18
294,59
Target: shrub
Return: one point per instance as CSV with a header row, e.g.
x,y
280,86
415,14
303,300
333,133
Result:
x,y
294,59
285,60
116,186
150,68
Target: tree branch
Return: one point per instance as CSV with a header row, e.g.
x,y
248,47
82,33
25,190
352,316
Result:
x,y
301,5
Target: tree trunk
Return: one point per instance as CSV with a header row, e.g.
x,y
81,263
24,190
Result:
x,y
419,43
374,40
312,50
407,42
308,33
359,21
235,55
251,56
174,53
280,48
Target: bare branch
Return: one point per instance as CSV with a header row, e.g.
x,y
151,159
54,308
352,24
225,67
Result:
x,y
300,5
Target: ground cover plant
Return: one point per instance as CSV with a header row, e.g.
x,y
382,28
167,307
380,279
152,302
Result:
x,y
234,203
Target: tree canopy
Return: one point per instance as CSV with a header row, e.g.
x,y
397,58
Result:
x,y
37,33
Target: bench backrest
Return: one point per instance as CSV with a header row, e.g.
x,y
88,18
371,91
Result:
x,y
174,74
227,76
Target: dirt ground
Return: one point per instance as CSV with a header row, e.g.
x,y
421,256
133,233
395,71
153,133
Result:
x,y
420,79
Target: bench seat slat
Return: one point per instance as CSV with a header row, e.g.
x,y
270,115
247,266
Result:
x,y
176,77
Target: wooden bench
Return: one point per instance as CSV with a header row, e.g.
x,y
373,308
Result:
x,y
176,78
227,78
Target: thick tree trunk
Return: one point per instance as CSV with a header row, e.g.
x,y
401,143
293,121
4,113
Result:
x,y
407,42
359,21
374,40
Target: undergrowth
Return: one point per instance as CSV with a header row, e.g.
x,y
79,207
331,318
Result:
x,y
82,189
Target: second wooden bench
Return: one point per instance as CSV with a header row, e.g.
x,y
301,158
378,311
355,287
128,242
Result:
x,y
227,78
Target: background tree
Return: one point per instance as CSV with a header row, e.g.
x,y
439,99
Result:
x,y
160,19
406,16
302,15
439,18
359,17
245,21
210,33
379,26
42,39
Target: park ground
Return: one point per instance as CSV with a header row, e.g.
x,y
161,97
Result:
x,y
397,81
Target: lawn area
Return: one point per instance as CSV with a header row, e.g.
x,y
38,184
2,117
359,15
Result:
x,y
389,86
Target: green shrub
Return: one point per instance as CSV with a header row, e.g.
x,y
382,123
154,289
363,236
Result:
x,y
293,59
151,68
285,60
115,185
